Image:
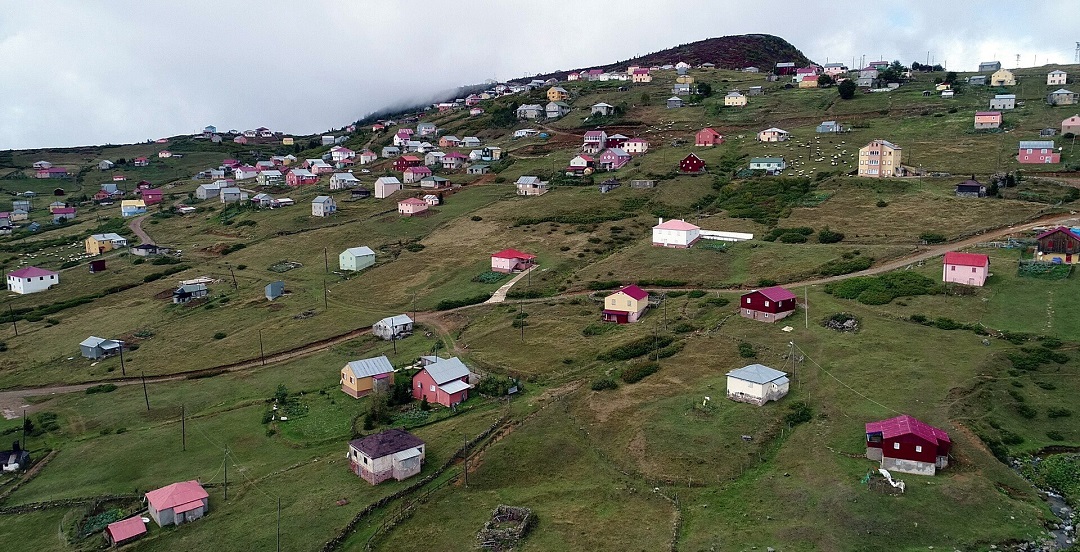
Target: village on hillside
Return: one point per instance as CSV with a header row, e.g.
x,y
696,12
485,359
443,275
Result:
x,y
777,307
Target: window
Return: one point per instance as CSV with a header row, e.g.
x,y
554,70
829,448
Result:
x,y
1029,150
953,268
918,448
747,300
896,446
766,303
432,389
972,269
365,460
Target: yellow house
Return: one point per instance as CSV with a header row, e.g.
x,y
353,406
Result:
x,y
1002,77
557,94
880,159
287,141
684,79
809,81
734,99
626,305
101,243
360,377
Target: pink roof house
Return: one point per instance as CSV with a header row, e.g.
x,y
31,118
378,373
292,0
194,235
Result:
x,y
411,207
594,141
455,160
625,306
151,196
708,137
121,532
987,119
675,233
415,174
178,503
512,260
614,159
965,268
141,162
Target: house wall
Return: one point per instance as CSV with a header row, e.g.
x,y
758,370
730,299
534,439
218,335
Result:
x,y
679,239
348,261
620,301
967,275
1038,155
763,316
908,466
32,285
358,387
423,386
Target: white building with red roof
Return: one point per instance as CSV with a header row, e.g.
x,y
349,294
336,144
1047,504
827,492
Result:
x,y
904,444
965,268
178,503
625,306
512,260
675,233
31,279
412,206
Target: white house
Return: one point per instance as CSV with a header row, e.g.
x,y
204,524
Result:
x,y
1056,77
386,186
356,258
391,454
177,503
756,384
675,233
31,279
323,206
393,327
340,181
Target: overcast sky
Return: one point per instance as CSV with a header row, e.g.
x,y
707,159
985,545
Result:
x,y
79,72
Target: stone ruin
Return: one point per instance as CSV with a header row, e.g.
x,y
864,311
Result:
x,y
507,526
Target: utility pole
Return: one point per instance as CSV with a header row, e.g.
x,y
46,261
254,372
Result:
x,y
325,303
279,524
122,370
326,260
145,395
16,326
465,457
262,356
226,463
183,428
393,338
233,275
806,306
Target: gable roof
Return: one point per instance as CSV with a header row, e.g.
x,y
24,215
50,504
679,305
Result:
x,y
775,293
445,370
367,367
1068,231
126,529
757,373
178,495
906,425
386,443
361,251
412,201
398,320
1036,144
322,199
512,254
634,292
966,259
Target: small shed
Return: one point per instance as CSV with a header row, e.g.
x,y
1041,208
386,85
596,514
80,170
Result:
x,y
97,266
757,384
125,531
393,327
273,290
391,454
95,347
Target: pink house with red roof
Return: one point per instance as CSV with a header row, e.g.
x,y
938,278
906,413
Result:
x,y
904,444
1060,245
767,305
965,268
675,233
178,503
125,531
411,207
141,162
613,159
708,136
512,260
987,119
414,174
625,306
31,279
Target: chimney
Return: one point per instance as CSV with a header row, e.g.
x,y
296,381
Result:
x,y
661,220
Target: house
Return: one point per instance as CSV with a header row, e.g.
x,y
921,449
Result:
x,y
989,66
1002,77
530,111
834,69
602,109
734,99
809,81
757,384
318,166
393,327
531,186
880,159
445,382
19,215
784,68
96,347
178,503
164,154
454,161
1037,151
613,159
1056,77
141,162
977,80
692,164
359,193
341,181
477,168
132,207
426,129
625,306
580,165
391,454
674,102
300,177
675,233
970,188
340,153
476,111
555,110
987,119
829,126
767,305
151,196
965,268
125,531
40,165
904,444
360,377
323,206
147,249
641,76
356,258
1062,96
1003,101
232,195
106,165
751,69
771,165
411,206
189,292
1071,125
432,200
63,214
209,190
491,153
1060,245
642,184
367,157
773,135
509,261
391,151
434,182
414,174
1047,133
406,161
433,158
449,141
608,185
756,91
386,186
594,141
244,172
15,459
97,244
708,137
52,172
557,94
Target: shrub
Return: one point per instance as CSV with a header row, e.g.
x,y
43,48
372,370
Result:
x,y
636,348
1010,438
798,413
1055,435
596,329
932,237
1046,385
661,282
828,236
636,372
602,285
683,327
882,203
837,267
717,301
695,294
1026,410
746,350
219,335
447,304
1055,412
102,388
792,237
604,383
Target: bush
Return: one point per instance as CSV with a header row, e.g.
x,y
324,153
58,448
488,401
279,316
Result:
x,y
636,348
695,294
1026,410
603,285
102,388
603,383
596,329
424,404
1055,435
837,267
1010,438
476,218
882,203
828,236
636,372
717,301
798,413
1055,412
447,304
932,237
683,327
746,350
792,237
661,282
219,335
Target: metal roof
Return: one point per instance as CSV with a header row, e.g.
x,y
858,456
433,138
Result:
x,y
757,373
368,367
446,370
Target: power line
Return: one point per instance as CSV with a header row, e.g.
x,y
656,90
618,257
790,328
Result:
x,y
841,382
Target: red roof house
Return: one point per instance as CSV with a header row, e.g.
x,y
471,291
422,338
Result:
x,y
692,164
708,137
965,268
625,306
904,444
406,161
767,305
511,260
151,196
1060,245
415,174
178,503
124,531
411,207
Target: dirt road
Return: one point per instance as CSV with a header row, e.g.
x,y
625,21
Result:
x,y
136,226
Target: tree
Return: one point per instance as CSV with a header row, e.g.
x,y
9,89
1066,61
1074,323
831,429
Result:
x,y
825,80
281,394
847,89
993,190
950,77
704,90
645,99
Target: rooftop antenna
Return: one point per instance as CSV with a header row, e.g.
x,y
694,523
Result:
x,y
1077,59
1017,60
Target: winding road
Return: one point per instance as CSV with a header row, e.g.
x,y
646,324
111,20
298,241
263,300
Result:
x,y
136,226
